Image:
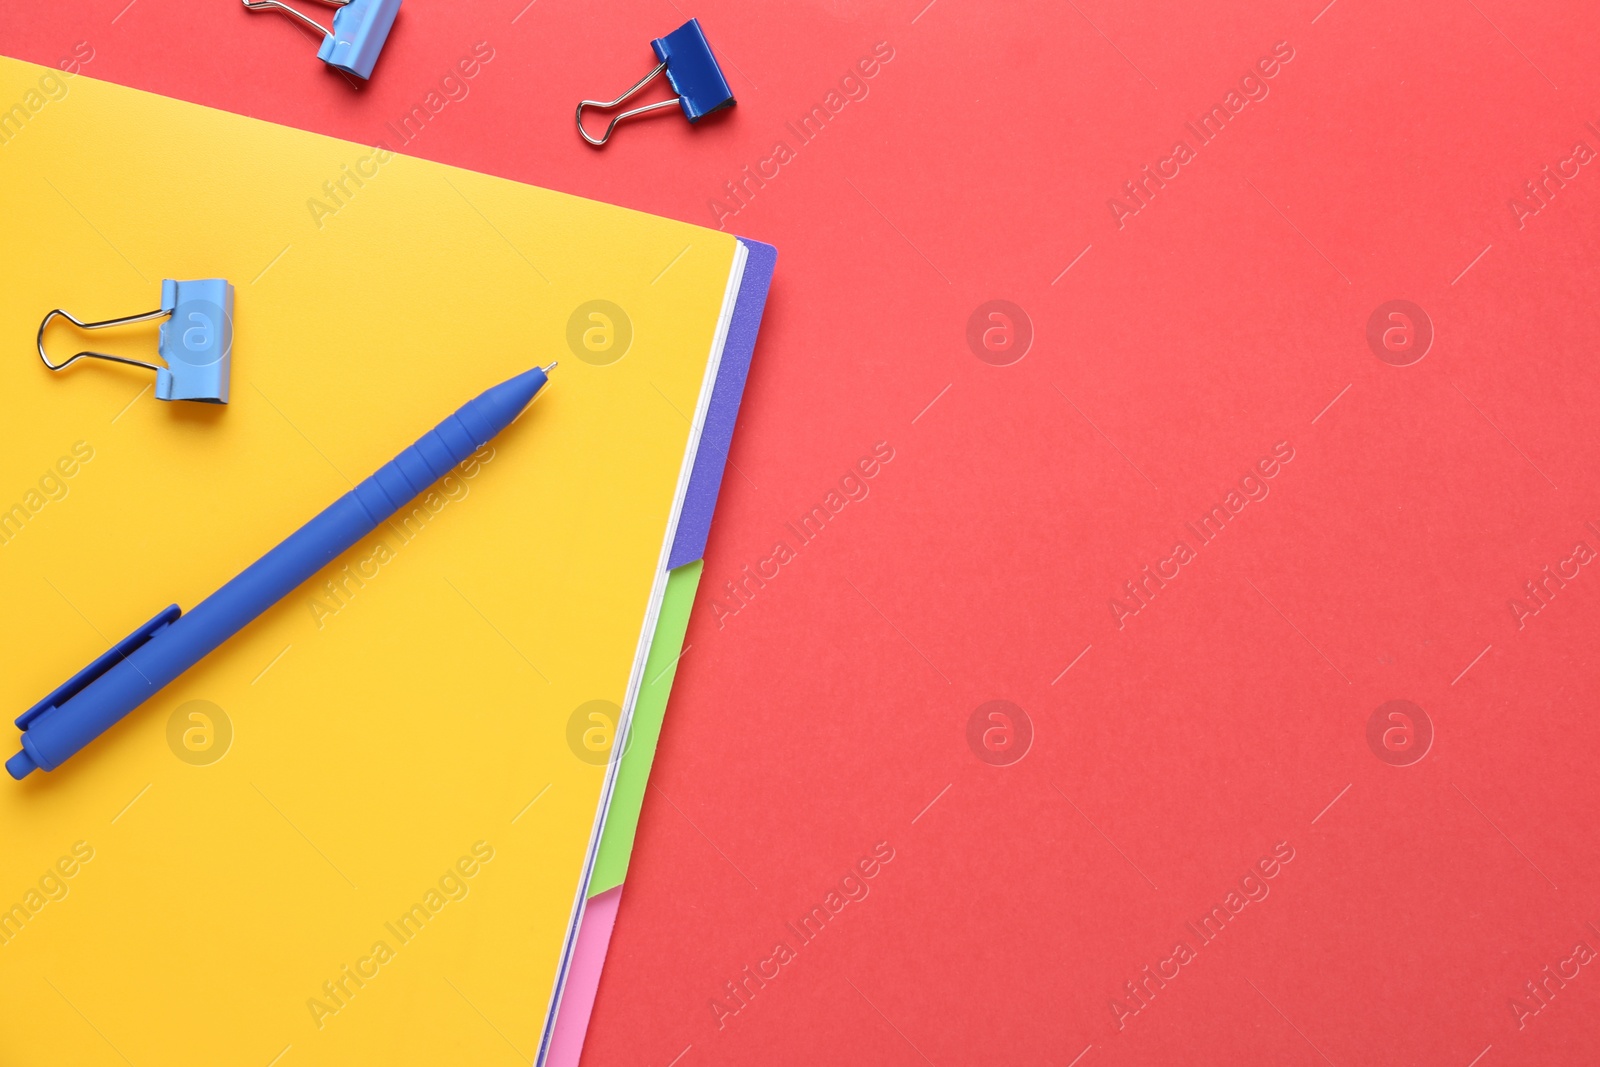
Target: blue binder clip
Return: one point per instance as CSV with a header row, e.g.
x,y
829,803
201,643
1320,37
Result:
x,y
691,70
196,341
359,29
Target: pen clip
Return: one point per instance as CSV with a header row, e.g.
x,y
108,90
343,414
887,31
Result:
x,y
110,658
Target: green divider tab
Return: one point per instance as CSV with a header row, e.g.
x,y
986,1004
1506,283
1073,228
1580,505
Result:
x,y
622,822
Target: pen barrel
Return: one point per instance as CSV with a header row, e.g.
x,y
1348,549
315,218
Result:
x,y
62,731
317,544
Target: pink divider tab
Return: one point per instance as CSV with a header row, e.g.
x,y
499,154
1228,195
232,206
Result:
x,y
583,979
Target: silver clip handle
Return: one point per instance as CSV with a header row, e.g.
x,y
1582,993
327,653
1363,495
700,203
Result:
x,y
264,5
606,105
128,320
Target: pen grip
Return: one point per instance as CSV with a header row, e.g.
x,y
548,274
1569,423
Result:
x,y
328,536
406,476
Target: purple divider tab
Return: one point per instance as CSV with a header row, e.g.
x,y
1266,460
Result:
x,y
710,462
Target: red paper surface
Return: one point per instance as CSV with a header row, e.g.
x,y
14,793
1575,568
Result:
x,y
1169,356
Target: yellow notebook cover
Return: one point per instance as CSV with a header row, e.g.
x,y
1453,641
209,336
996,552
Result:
x,y
356,832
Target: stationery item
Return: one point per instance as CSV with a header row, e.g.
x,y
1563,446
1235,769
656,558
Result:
x,y
622,819
692,71
360,28
385,858
143,663
196,341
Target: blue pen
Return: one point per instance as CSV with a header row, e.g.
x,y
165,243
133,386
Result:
x,y
140,665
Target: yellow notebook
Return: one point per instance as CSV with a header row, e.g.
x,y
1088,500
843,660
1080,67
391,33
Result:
x,y
359,831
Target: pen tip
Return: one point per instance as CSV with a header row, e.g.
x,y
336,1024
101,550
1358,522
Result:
x,y
553,365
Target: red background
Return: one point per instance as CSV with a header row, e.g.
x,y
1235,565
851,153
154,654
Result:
x,y
1221,319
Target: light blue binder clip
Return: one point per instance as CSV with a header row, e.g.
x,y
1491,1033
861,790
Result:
x,y
196,341
360,27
